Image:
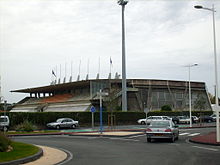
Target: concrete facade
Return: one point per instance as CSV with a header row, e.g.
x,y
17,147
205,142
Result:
x,y
141,93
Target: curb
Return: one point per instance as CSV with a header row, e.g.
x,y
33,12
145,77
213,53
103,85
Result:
x,y
26,159
102,135
206,143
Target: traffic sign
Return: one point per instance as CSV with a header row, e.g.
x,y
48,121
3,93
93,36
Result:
x,y
92,109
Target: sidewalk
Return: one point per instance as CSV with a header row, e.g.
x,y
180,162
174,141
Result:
x,y
50,156
209,139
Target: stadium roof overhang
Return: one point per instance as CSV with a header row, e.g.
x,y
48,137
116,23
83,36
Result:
x,y
84,83
55,87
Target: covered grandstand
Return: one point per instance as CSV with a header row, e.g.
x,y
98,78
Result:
x,y
141,93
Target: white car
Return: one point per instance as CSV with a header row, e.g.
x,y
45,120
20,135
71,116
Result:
x,y
195,119
152,118
63,123
162,129
184,119
4,123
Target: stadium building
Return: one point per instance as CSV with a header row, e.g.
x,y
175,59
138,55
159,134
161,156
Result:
x,y
141,93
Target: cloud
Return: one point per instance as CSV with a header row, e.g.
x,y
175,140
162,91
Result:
x,y
161,37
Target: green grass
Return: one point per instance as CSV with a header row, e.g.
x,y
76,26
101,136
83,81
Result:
x,y
35,132
20,150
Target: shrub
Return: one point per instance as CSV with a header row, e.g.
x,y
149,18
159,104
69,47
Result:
x,y
25,126
166,108
4,142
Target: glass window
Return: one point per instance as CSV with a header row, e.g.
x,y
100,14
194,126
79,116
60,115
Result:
x,y
179,95
168,97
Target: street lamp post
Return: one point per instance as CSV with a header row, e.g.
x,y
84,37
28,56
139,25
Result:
x,y
216,70
124,87
190,97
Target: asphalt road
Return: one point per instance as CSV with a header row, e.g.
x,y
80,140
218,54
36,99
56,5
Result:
x,y
132,150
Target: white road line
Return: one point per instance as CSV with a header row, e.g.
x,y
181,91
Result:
x,y
68,158
136,136
194,134
205,148
124,139
183,133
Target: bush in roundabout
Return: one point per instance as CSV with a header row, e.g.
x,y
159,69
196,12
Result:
x,y
5,143
26,126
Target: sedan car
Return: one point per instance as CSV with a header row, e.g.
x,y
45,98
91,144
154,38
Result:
x,y
214,117
207,119
175,119
184,119
63,123
152,118
195,119
162,129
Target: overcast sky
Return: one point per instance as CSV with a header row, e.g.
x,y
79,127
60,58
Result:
x,y
37,36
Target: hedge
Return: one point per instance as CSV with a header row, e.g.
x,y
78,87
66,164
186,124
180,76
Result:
x,y
84,118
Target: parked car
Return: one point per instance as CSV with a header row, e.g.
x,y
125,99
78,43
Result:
x,y
152,118
195,119
63,123
4,123
184,119
207,119
214,116
162,129
175,119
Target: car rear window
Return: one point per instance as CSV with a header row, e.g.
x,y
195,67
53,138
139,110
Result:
x,y
160,124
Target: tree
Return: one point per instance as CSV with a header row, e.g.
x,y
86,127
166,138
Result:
x,y
200,102
212,98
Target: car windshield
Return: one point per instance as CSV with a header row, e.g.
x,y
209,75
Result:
x,y
59,120
160,124
3,120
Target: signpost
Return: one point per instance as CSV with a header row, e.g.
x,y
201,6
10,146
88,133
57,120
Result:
x,y
146,110
92,109
100,94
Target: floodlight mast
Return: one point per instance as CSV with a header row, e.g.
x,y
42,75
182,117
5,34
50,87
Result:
x,y
124,84
216,69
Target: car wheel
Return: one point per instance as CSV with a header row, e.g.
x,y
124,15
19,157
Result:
x,y
172,139
57,127
143,123
148,139
177,137
5,129
209,121
73,126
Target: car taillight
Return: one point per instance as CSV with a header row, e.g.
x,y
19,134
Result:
x,y
148,130
168,130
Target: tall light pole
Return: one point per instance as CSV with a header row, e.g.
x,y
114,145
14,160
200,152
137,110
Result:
x,y
190,97
124,87
216,70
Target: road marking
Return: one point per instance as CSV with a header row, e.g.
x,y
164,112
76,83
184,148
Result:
x,y
123,139
174,144
69,157
194,134
136,136
184,134
205,148
92,137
